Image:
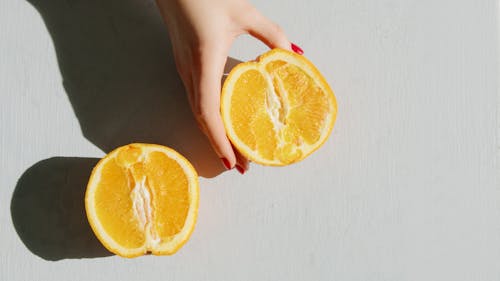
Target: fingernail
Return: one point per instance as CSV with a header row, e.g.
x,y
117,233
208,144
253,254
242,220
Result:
x,y
240,169
297,49
226,163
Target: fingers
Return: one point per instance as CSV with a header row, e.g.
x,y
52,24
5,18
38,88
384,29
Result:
x,y
267,31
242,164
207,74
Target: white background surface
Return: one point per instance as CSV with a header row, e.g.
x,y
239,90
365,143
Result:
x,y
406,188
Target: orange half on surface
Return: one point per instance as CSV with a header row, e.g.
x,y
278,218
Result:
x,y
277,110
142,198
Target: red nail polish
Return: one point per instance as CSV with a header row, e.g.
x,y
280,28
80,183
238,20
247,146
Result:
x,y
297,49
240,169
226,163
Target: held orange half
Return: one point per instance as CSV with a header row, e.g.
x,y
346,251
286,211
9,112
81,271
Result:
x,y
142,198
277,110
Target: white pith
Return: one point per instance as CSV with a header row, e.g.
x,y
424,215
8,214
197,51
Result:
x,y
141,204
275,102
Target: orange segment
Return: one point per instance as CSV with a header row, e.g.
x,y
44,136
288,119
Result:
x,y
246,103
277,111
262,129
113,193
170,194
142,198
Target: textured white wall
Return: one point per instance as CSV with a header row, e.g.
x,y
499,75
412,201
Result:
x,y
406,188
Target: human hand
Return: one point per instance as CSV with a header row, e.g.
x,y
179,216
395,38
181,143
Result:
x,y
202,32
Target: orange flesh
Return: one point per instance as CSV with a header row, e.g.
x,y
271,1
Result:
x,y
299,108
113,194
168,197
169,193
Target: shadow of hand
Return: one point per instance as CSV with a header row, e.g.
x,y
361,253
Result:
x,y
119,74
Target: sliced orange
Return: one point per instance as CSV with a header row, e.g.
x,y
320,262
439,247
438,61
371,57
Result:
x,y
277,110
142,198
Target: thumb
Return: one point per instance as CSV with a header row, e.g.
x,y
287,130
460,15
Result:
x,y
268,32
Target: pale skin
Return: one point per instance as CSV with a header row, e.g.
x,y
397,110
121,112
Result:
x,y
202,32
